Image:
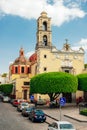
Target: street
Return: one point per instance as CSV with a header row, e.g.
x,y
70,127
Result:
x,y
10,119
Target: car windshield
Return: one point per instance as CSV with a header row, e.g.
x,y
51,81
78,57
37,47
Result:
x,y
39,112
29,109
24,104
66,126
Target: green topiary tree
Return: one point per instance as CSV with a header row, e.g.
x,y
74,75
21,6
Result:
x,y
4,75
53,83
82,82
6,88
85,65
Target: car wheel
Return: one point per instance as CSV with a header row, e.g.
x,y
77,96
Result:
x,y
17,109
29,117
32,119
42,121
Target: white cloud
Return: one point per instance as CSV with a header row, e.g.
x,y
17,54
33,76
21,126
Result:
x,y
11,62
28,54
82,43
32,8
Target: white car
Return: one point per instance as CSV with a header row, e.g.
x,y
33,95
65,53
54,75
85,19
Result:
x,y
61,125
6,99
22,105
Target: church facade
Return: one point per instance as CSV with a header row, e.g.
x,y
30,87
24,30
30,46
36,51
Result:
x,y
47,58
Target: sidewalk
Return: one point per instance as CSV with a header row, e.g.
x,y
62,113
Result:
x,y
76,116
69,110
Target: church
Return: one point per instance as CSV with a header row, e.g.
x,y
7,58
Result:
x,y
47,58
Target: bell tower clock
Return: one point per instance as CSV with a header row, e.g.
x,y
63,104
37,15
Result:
x,y
44,34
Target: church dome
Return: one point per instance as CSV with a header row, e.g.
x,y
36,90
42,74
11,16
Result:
x,y
44,14
33,57
21,59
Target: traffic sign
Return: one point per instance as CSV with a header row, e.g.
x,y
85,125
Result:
x,y
31,97
62,101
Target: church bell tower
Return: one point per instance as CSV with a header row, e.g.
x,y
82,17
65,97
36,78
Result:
x,y
44,34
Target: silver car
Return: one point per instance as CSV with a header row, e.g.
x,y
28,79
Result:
x,y
22,105
61,125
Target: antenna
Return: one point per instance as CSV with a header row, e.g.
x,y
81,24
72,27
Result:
x,y
66,40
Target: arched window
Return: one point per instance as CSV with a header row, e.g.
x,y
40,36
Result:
x,y
44,26
29,70
45,40
22,69
16,70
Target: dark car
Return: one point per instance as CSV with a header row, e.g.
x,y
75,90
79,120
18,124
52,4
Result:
x,y
37,115
26,111
83,104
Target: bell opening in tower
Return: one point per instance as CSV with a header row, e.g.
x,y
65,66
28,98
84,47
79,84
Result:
x,y
45,40
45,26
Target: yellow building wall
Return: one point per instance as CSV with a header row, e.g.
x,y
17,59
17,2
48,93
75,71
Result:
x,y
54,61
16,76
19,83
33,69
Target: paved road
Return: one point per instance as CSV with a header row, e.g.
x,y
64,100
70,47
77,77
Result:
x,y
10,119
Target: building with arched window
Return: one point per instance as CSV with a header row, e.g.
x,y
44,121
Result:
x,y
50,59
47,58
19,75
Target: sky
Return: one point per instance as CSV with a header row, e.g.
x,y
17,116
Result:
x,y
18,26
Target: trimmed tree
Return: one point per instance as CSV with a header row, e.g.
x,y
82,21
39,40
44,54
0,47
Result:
x,y
6,88
53,83
85,65
82,82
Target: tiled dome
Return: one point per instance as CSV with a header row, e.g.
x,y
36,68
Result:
x,y
21,59
33,57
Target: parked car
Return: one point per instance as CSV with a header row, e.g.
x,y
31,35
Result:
x,y
11,100
83,104
61,125
41,102
16,102
1,94
6,99
22,105
26,111
37,115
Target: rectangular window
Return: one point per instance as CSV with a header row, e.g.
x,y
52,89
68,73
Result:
x,y
22,69
45,56
26,83
29,70
16,70
45,69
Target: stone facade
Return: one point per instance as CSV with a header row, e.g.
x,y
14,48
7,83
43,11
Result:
x,y
50,59
19,75
47,58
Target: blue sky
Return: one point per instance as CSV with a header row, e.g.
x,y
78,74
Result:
x,y
18,26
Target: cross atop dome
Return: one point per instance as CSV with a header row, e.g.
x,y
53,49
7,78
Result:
x,y
21,52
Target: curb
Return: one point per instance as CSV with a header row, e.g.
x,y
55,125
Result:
x,y
52,117
75,118
65,116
